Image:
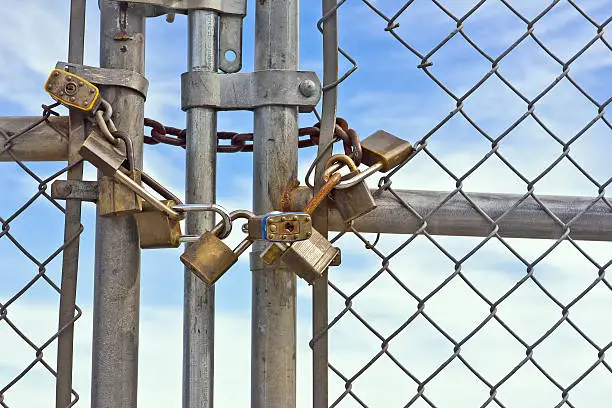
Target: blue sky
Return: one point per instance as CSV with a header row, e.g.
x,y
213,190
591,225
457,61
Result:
x,y
388,92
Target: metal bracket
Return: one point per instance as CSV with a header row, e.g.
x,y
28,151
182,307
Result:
x,y
109,77
75,190
247,91
231,14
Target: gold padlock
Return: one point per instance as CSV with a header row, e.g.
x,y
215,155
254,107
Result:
x,y
73,91
156,229
115,198
384,151
209,257
355,200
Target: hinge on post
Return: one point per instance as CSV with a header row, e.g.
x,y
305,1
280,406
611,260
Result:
x,y
231,14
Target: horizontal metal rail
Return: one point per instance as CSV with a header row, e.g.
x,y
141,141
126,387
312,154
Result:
x,y
46,142
458,217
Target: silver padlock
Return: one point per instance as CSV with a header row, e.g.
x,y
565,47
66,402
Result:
x,y
209,257
356,199
104,155
308,259
280,226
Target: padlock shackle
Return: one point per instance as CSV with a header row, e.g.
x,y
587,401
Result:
x,y
359,177
159,189
225,215
129,148
338,158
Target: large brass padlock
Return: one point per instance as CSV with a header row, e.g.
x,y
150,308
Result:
x,y
354,200
308,259
384,151
115,198
73,91
156,229
209,257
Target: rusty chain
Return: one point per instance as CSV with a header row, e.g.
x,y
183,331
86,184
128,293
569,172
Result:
x,y
243,142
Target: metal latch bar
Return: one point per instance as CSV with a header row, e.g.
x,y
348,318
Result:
x,y
108,77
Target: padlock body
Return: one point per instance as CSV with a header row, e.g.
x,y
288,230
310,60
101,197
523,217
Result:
x,y
353,202
156,229
209,258
281,227
73,91
309,258
385,148
101,153
115,199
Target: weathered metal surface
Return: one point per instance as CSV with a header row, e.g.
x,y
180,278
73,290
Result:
x,y
46,142
247,91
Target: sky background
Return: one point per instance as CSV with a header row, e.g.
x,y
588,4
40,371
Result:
x,y
387,92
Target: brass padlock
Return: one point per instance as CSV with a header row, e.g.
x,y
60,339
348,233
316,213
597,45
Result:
x,y
353,200
209,257
115,198
73,91
308,259
105,156
280,226
384,151
156,229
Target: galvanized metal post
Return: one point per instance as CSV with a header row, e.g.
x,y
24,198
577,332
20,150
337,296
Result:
x,y
273,352
72,224
199,303
320,369
117,260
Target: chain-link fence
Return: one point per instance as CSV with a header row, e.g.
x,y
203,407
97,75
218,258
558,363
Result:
x,y
426,320
30,272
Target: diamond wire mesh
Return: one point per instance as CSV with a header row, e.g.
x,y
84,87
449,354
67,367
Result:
x,y
353,386
39,275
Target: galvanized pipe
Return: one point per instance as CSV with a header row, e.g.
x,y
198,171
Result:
x,y
72,223
199,299
46,142
273,349
117,258
457,217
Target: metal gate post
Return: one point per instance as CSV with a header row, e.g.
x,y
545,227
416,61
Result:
x,y
273,351
199,301
117,258
72,224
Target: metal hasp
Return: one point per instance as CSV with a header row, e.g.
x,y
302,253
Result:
x,y
273,327
109,77
230,12
248,91
117,255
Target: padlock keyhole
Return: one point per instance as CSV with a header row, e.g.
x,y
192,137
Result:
x,y
289,227
70,88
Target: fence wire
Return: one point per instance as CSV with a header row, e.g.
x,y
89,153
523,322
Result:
x,y
393,370
28,245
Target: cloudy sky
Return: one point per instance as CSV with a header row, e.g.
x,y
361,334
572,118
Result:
x,y
388,92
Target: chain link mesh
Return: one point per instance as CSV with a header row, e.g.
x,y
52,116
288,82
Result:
x,y
36,271
400,339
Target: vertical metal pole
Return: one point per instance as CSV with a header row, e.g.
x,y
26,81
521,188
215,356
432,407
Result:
x,y
72,224
199,302
273,352
117,259
320,220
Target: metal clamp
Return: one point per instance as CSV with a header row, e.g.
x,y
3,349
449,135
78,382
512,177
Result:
x,y
247,91
231,14
109,77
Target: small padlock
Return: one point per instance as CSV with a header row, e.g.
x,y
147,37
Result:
x,y
384,151
156,229
280,226
308,259
115,198
105,156
352,201
73,91
209,257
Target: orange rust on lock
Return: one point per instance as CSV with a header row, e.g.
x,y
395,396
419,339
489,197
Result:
x,y
318,198
286,200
